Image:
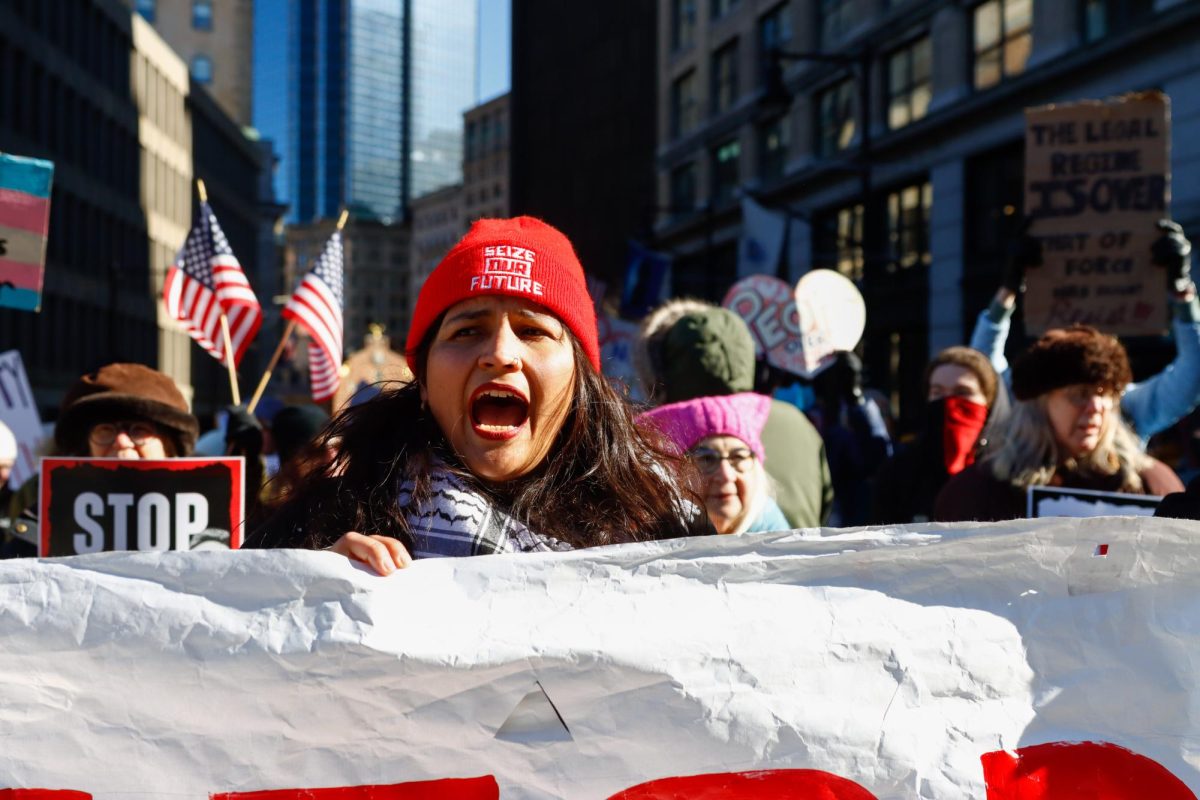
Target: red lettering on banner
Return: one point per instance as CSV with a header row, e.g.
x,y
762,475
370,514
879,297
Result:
x,y
43,794
775,784
1067,771
483,788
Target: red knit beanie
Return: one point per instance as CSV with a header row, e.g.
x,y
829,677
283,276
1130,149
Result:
x,y
518,257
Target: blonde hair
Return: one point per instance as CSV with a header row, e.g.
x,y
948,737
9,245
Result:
x,y
1029,455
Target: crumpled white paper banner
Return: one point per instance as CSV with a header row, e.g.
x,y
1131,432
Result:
x,y
894,657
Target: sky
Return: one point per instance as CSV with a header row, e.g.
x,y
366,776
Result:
x,y
495,35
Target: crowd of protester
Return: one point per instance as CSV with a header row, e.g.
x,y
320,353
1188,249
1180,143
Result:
x,y
509,438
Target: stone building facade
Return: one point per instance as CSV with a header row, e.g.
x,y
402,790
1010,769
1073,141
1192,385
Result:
x,y
920,210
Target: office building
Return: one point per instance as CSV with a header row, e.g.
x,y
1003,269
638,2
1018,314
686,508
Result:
x,y
216,40
375,91
128,133
582,124
920,209
486,160
437,223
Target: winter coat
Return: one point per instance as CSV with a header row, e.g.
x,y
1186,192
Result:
x,y
795,460
909,482
769,519
1149,406
976,494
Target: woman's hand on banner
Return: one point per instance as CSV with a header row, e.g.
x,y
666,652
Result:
x,y
383,554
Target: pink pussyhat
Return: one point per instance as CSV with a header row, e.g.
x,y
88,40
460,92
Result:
x,y
686,423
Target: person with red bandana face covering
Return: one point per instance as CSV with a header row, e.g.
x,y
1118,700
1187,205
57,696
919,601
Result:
x,y
508,440
1065,430
965,403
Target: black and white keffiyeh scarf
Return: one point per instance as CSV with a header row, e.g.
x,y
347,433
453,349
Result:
x,y
456,520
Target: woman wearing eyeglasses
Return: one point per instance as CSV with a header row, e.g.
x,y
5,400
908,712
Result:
x,y
722,437
1065,430
126,411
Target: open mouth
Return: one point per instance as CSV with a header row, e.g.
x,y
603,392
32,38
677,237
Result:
x,y
498,412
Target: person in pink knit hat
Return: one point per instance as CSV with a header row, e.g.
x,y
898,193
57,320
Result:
x,y
722,437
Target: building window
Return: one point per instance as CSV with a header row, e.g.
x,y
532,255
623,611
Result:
x,y
910,85
725,171
684,105
837,107
683,23
146,9
836,18
1003,40
720,8
838,241
470,144
849,242
773,140
908,226
724,78
202,69
774,33
202,14
683,189
1102,17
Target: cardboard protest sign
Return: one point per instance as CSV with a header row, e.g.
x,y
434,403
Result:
x,y
767,305
92,505
1006,661
1097,179
1055,501
18,411
832,318
24,226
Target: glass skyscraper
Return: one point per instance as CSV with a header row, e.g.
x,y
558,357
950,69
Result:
x,y
375,93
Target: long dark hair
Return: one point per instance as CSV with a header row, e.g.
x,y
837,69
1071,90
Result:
x,y
604,481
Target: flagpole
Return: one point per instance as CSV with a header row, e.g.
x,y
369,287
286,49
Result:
x,y
266,378
233,382
287,334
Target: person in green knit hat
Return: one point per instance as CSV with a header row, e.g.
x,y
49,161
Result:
x,y
688,349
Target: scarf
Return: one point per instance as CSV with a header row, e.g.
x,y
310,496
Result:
x,y
457,520
963,424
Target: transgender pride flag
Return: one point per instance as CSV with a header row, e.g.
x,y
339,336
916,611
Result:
x,y
24,220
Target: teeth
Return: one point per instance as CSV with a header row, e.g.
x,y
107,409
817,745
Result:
x,y
499,393
497,428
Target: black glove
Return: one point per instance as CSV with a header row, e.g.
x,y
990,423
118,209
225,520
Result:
x,y
1173,251
243,433
1023,252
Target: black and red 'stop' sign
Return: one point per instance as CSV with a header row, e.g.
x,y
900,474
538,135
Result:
x,y
91,505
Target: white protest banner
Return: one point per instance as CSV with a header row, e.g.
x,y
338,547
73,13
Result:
x,y
18,411
929,662
92,505
768,307
1055,501
1097,179
832,318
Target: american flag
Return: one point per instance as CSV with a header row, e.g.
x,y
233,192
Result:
x,y
316,305
205,281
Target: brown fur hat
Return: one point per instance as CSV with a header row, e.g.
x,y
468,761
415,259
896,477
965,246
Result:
x,y
1067,356
970,359
119,392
